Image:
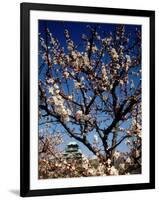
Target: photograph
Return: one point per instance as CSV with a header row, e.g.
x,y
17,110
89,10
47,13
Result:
x,y
89,99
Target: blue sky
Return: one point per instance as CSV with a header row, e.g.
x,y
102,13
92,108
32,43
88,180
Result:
x,y
77,29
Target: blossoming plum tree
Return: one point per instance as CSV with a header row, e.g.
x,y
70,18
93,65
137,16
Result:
x,y
93,91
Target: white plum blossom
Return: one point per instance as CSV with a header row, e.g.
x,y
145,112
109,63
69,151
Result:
x,y
74,54
96,139
104,97
77,85
43,43
56,86
58,103
129,133
121,129
122,166
82,78
98,37
114,54
114,171
54,89
104,72
70,46
128,59
86,59
128,160
94,49
107,41
132,85
66,74
51,90
121,82
88,46
51,81
57,91
136,153
70,97
84,37
109,161
66,32
128,142
78,115
116,154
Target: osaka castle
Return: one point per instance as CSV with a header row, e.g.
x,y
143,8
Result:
x,y
72,151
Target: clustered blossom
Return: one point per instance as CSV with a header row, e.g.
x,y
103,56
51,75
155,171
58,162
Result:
x,y
116,154
62,167
70,43
58,102
128,62
42,42
81,116
113,171
66,74
114,54
77,85
94,48
96,139
107,41
123,162
104,72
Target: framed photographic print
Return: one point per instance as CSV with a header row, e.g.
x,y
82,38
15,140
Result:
x,y
87,99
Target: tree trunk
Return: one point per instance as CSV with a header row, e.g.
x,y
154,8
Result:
x,y
114,142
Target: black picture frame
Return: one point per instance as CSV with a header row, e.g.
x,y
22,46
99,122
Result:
x,y
25,9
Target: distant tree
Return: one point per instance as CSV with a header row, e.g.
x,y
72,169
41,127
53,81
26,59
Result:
x,y
94,89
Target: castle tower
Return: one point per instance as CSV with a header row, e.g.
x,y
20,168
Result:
x,y
73,151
